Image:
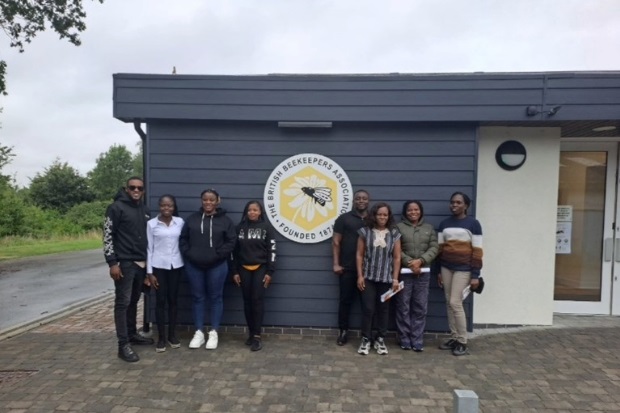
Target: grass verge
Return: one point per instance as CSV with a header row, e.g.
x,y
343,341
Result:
x,y
20,247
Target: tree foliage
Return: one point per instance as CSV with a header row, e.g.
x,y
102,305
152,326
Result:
x,y
111,171
59,187
22,20
138,162
6,156
89,215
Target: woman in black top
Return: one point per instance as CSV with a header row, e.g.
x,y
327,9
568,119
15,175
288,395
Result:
x,y
253,266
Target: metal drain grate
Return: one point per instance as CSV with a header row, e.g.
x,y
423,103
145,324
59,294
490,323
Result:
x,y
12,376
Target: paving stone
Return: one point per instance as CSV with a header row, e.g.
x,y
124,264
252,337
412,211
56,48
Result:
x,y
568,367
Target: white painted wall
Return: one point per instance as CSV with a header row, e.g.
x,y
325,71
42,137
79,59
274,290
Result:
x,y
517,211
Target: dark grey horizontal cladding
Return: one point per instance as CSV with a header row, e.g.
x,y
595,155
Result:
x,y
254,185
412,133
384,192
328,146
441,113
394,162
282,310
403,98
265,164
408,96
330,82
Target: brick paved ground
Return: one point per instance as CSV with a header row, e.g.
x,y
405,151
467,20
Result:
x,y
573,369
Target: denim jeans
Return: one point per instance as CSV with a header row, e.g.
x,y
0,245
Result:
x,y
411,307
253,291
207,283
127,294
374,309
167,292
348,292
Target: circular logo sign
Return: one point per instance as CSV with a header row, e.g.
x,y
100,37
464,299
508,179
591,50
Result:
x,y
304,195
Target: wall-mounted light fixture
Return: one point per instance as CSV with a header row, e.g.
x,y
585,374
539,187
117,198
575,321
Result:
x,y
604,128
510,155
304,124
533,110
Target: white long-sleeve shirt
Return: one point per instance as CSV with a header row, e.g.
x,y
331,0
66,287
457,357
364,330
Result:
x,y
163,244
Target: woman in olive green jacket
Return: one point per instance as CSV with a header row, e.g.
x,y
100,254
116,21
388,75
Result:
x,y
419,249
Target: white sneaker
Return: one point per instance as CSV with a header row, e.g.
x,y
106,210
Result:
x,y
364,347
380,346
198,340
212,342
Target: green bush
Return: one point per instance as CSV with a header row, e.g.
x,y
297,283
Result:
x,y
12,213
88,215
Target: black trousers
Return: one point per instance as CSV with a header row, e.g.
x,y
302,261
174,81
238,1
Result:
x,y
253,291
372,307
167,294
348,292
127,294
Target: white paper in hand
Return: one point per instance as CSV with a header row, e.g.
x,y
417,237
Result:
x,y
389,293
466,292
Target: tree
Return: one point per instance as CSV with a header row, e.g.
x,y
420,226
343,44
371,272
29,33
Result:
x,y
59,187
6,156
111,171
138,163
22,20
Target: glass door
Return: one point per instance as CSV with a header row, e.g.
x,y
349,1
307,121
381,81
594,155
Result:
x,y
587,244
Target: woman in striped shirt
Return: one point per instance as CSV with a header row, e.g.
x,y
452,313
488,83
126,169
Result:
x,y
460,260
378,267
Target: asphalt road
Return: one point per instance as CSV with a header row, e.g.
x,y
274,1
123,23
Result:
x,y
33,288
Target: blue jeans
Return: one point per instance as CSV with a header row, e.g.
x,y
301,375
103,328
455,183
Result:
x,y
127,294
207,283
411,307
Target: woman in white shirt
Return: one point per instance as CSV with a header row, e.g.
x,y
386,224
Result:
x,y
163,267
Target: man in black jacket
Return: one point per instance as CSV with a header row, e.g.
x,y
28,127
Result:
x,y
124,247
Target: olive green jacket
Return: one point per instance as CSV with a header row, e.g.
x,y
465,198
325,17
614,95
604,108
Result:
x,y
419,241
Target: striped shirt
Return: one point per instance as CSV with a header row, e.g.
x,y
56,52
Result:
x,y
378,262
460,245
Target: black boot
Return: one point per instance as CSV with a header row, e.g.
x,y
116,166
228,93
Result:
x,y
172,338
126,353
137,339
342,338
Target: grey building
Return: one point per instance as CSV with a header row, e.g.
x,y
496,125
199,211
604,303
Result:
x,y
401,137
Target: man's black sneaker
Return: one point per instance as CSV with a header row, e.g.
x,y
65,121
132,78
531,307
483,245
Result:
x,y
174,342
448,345
460,349
256,344
137,339
342,338
126,353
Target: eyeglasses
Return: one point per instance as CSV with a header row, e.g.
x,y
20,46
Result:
x,y
136,188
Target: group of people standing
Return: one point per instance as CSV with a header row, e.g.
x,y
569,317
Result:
x,y
140,250
371,255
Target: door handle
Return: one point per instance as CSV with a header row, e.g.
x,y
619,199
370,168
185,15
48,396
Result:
x,y
608,247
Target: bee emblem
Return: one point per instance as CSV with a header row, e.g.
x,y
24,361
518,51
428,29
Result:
x,y
320,195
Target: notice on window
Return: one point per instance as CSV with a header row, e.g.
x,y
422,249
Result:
x,y
565,213
563,236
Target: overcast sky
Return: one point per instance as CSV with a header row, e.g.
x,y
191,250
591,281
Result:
x,y
60,96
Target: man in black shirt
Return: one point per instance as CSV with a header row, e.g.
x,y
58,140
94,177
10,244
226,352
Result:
x,y
344,247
